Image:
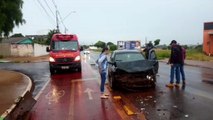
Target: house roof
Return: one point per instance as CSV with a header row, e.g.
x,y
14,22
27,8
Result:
x,y
210,33
16,40
37,36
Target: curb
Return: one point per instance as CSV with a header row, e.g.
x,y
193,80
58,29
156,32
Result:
x,y
4,61
188,64
18,100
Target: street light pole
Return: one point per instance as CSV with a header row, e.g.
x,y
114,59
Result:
x,y
57,24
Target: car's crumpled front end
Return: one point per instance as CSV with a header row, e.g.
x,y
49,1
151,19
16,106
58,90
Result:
x,y
135,74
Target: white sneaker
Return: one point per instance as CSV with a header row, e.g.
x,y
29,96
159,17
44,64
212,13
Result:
x,y
104,97
106,94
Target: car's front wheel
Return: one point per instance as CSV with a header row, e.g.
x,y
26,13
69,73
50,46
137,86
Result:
x,y
79,69
52,70
112,82
154,82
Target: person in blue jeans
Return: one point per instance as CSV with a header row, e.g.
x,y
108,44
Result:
x,y
175,61
102,66
182,65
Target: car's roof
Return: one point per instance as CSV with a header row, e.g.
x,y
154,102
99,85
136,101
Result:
x,y
126,50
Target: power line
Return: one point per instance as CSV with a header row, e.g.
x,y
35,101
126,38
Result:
x,y
62,21
44,8
68,15
54,4
49,7
58,13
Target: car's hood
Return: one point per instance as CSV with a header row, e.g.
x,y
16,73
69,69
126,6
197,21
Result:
x,y
136,66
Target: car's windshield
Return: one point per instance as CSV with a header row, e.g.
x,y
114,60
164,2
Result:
x,y
65,45
129,56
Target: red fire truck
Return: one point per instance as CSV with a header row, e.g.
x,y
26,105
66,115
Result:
x,y
64,52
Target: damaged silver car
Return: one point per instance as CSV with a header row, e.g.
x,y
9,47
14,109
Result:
x,y
130,68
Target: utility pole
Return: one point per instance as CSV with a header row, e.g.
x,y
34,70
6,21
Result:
x,y
57,24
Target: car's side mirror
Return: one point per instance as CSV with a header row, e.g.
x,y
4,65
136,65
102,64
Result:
x,y
111,63
47,49
81,48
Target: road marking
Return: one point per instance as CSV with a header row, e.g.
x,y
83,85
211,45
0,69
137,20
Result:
x,y
54,95
85,79
127,110
71,107
41,91
123,104
89,91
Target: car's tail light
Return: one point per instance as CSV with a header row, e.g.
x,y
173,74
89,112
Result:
x,y
64,37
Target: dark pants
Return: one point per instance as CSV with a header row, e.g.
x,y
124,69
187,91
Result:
x,y
182,72
175,71
103,80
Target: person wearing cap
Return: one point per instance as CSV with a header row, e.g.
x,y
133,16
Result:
x,y
102,66
148,49
182,65
175,61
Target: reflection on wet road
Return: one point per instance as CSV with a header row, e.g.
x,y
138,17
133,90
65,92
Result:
x,y
73,96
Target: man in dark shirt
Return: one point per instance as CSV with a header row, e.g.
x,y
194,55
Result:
x,y
175,61
182,65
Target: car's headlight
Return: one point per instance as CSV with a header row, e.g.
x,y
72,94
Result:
x,y
149,77
51,59
77,58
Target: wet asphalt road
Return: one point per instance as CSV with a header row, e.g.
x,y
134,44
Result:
x,y
193,102
38,72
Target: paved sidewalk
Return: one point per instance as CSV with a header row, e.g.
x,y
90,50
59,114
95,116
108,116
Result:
x,y
13,85
204,64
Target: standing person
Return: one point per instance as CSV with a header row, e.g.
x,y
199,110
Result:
x,y
182,65
148,50
175,60
102,66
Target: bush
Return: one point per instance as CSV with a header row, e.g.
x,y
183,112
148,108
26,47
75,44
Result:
x,y
162,54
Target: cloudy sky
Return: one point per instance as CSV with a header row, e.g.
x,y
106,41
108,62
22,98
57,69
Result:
x,y
113,20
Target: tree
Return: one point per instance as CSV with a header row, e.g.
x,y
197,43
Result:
x,y
85,46
17,35
156,42
100,44
110,43
113,47
49,36
10,15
